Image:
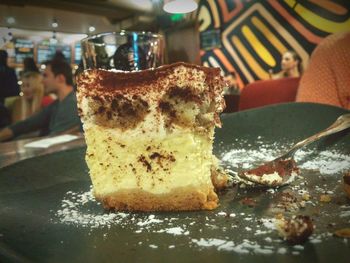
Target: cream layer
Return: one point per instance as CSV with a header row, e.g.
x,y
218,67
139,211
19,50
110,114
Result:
x,y
155,164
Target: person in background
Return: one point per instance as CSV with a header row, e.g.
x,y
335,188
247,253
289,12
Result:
x,y
291,65
5,117
231,81
29,65
231,92
59,117
59,56
327,78
33,98
8,80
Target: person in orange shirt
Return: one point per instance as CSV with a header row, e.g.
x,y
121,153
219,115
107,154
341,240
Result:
x,y
327,78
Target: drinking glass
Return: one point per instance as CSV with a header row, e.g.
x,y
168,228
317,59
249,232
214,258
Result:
x,y
127,51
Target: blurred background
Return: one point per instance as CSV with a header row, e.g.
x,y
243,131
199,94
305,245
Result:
x,y
243,37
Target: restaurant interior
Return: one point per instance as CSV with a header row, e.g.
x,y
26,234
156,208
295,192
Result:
x,y
245,39
285,69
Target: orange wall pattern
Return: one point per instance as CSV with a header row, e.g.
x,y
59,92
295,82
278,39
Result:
x,y
255,34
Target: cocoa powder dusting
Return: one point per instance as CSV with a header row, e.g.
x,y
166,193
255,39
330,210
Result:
x,y
145,163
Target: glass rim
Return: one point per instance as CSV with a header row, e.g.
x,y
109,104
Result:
x,y
122,33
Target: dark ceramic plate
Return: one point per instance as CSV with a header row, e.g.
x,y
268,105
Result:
x,y
46,214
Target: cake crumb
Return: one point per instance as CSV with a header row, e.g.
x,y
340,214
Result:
x,y
325,198
345,233
295,230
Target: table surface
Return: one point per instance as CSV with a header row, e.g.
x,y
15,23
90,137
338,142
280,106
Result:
x,y
14,151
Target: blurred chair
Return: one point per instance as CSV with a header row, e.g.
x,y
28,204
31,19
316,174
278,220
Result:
x,y
266,92
231,101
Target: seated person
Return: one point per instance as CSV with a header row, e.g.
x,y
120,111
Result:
x,y
29,66
8,79
232,85
4,116
291,65
327,78
33,98
60,116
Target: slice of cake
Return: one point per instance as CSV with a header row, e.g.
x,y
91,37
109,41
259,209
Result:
x,y
149,136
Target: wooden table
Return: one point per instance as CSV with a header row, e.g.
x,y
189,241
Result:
x,y
14,151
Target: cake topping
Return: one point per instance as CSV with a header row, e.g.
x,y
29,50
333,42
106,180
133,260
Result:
x,y
138,82
184,95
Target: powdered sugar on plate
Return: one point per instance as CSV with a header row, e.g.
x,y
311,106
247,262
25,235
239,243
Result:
x,y
326,162
255,232
73,212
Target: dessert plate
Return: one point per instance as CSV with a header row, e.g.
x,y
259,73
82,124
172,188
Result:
x,y
48,214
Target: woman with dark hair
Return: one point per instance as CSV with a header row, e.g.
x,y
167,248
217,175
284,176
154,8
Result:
x,y
291,65
8,79
29,65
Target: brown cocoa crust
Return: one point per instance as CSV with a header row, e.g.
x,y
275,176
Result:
x,y
121,99
124,81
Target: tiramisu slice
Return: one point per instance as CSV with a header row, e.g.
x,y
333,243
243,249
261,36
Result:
x,y
149,136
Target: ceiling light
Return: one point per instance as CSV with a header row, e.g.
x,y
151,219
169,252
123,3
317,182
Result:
x,y
179,6
10,20
92,28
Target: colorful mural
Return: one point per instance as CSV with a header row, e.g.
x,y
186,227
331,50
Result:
x,y
255,34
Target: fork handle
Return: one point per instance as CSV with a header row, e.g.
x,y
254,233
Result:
x,y
342,123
